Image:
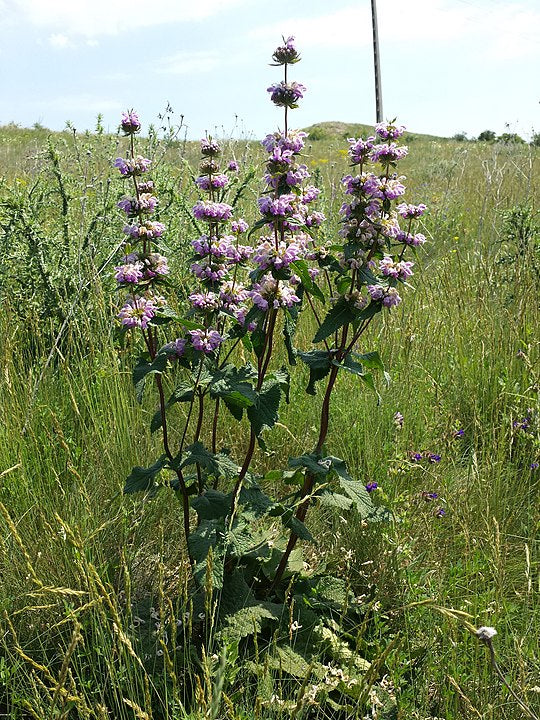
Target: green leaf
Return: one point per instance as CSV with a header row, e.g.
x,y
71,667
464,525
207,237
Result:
x,y
289,330
264,413
219,465
143,479
371,360
319,362
301,269
283,377
240,539
255,503
163,316
356,369
249,620
290,521
157,421
183,392
332,589
209,534
339,467
257,226
286,660
341,314
232,385
311,463
212,505
144,368
329,498
359,495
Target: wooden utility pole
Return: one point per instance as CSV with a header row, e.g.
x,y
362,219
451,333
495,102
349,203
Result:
x,y
378,91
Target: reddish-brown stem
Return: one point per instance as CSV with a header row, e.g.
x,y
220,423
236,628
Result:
x,y
264,360
190,408
316,317
214,433
197,436
309,479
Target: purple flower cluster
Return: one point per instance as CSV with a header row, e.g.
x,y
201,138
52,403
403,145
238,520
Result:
x,y
212,182
219,256
210,148
130,122
139,267
360,150
371,486
370,225
388,153
411,211
144,267
210,211
286,54
272,293
388,295
389,131
285,94
130,167
139,310
144,203
426,455
524,423
149,229
205,341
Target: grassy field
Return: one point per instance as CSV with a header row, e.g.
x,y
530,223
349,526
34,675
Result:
x,y
86,573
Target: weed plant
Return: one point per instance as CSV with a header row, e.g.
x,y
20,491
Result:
x,y
95,584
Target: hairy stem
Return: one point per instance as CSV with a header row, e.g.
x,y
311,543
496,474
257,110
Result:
x,y
309,479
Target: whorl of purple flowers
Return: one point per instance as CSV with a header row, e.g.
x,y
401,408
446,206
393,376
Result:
x,y
286,53
138,311
389,131
130,122
285,94
212,211
132,166
210,148
212,182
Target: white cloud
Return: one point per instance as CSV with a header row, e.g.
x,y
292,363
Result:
x,y
185,63
58,40
502,30
92,18
346,27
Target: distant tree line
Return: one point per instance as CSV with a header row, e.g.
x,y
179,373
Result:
x,y
490,136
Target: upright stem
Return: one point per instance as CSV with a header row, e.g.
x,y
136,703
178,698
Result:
x,y
263,367
309,479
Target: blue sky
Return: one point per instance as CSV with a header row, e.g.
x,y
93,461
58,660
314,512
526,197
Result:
x,y
447,65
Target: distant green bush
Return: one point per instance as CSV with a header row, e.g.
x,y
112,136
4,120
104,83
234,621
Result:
x,y
487,136
511,138
317,133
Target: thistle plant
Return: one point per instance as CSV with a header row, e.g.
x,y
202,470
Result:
x,y
250,287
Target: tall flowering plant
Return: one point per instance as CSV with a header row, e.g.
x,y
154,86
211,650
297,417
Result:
x,y
250,286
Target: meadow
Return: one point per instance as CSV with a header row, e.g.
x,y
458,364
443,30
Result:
x,y
97,614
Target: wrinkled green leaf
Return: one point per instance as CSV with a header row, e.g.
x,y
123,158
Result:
x,y
219,464
341,314
145,368
301,268
212,505
316,464
143,479
359,495
319,363
329,498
